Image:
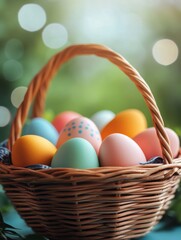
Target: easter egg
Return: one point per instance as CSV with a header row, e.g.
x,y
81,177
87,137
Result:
x,y
32,149
120,150
150,145
81,127
129,122
41,127
63,118
76,153
101,118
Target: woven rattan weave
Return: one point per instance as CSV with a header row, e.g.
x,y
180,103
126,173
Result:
x,y
102,203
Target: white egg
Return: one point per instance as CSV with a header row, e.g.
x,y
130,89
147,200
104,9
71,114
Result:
x,y
101,118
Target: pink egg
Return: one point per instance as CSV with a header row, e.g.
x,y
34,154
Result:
x,y
81,127
120,150
63,118
149,143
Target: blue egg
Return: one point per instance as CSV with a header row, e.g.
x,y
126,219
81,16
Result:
x,y
43,128
75,153
102,118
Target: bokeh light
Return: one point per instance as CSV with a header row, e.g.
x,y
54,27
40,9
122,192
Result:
x,y
12,70
54,35
14,49
165,52
17,96
5,116
31,17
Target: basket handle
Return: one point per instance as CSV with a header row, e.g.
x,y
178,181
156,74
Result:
x,y
39,85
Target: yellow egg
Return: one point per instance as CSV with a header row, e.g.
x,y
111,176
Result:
x,y
129,122
31,149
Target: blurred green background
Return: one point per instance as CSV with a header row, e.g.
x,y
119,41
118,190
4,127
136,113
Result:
x,y
146,33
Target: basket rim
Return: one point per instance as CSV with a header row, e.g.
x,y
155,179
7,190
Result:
x,y
131,172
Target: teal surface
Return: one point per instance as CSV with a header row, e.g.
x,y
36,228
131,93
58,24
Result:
x,y
173,233
12,218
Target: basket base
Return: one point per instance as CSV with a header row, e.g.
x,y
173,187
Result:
x,y
103,205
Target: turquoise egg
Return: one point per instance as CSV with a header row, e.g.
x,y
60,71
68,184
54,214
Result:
x,y
41,127
75,153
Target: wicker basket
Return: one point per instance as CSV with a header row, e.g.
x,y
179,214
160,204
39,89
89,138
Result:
x,y
102,203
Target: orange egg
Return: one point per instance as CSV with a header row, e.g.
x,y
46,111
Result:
x,y
31,149
129,122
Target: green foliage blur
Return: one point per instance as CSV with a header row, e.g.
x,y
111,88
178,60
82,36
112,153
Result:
x,y
89,84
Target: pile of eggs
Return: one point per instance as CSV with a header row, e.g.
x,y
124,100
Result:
x,y
74,141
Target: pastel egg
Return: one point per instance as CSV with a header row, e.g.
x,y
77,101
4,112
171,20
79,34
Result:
x,y
102,118
81,127
32,149
149,143
41,127
129,122
120,150
63,118
75,153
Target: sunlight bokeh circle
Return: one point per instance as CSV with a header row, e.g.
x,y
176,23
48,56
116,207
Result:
x,y
55,35
17,96
12,70
31,17
5,116
165,51
14,49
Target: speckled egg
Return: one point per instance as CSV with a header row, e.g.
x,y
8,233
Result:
x,y
81,127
